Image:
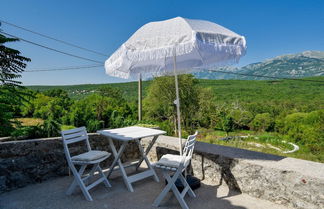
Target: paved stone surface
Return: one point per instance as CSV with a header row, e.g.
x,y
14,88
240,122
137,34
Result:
x,y
51,195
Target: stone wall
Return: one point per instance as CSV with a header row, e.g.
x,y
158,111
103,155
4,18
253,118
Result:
x,y
32,161
287,181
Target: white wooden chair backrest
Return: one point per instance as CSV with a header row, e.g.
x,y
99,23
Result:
x,y
189,147
73,136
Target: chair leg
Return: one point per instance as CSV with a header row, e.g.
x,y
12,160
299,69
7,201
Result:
x,y
166,189
75,183
91,173
176,192
78,181
186,185
106,182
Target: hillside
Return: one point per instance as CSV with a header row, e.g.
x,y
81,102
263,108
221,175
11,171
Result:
x,y
301,65
305,64
294,108
225,90
79,91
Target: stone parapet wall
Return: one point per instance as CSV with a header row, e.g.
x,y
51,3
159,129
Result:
x,y
33,161
288,181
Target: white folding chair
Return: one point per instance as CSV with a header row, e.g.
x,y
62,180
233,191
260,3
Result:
x,y
176,164
91,157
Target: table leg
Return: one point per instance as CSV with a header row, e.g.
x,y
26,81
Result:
x,y
116,155
147,150
120,164
146,160
125,177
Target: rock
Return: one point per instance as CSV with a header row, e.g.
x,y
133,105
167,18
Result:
x,y
3,184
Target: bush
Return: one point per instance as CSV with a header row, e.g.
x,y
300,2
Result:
x,y
28,132
94,125
227,124
167,126
305,128
262,122
241,118
51,128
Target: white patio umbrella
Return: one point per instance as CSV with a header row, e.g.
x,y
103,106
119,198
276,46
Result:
x,y
177,46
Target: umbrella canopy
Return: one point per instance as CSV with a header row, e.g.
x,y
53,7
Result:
x,y
177,45
197,44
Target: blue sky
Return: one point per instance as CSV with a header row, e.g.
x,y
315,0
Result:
x,y
272,28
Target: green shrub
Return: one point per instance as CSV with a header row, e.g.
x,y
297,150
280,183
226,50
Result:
x,y
225,122
305,129
51,128
28,132
241,118
262,122
94,125
66,127
168,127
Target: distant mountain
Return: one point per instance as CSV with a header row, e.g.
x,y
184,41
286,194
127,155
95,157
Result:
x,y
305,64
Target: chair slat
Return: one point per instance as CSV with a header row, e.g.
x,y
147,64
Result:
x,y
77,139
74,135
190,142
190,145
75,130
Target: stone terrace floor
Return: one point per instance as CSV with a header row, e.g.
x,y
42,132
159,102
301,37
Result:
x,y
51,195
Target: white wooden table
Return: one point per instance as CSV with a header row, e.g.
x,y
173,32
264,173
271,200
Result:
x,y
125,135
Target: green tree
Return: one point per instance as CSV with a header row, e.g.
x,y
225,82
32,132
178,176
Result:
x,y
97,111
225,122
12,64
241,118
262,122
51,127
108,91
305,128
159,102
207,106
6,113
59,93
53,103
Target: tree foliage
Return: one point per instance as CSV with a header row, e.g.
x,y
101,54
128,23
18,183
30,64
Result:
x,y
293,112
12,64
159,103
262,122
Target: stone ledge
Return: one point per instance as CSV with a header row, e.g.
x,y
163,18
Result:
x,y
288,181
33,161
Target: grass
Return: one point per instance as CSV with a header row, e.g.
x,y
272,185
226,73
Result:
x,y
30,121
66,127
260,142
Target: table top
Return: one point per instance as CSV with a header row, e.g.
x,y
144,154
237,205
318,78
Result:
x,y
130,133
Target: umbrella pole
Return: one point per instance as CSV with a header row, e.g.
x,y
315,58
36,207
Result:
x,y
177,100
139,97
